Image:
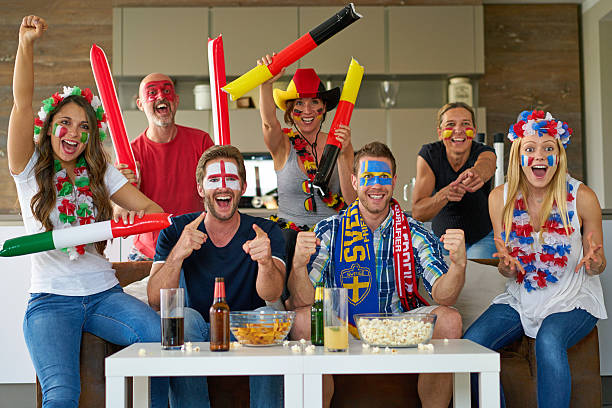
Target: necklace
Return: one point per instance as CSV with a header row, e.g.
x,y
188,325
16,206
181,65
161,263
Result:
x,y
541,267
73,202
299,143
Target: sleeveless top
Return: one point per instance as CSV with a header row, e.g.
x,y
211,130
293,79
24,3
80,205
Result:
x,y
466,214
571,290
291,197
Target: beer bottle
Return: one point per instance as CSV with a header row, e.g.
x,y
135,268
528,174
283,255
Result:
x,y
219,319
316,316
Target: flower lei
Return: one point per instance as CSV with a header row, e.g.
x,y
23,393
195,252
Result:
x,y
535,122
49,105
333,201
74,202
541,268
285,224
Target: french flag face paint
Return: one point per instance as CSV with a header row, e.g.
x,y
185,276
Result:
x,y
59,130
375,172
156,90
527,161
552,159
222,174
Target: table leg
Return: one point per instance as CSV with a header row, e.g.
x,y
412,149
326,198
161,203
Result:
x,y
115,392
488,391
141,392
294,392
461,390
313,390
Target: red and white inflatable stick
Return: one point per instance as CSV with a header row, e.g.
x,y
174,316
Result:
x,y
216,68
116,124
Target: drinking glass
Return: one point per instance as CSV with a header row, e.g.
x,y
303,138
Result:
x,y
172,306
335,319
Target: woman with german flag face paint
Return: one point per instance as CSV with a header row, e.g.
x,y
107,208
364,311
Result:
x,y
297,150
453,180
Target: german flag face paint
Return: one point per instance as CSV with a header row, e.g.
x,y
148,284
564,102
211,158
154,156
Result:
x,y
374,172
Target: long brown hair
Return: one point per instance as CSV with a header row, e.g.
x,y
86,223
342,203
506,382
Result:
x,y
555,194
44,201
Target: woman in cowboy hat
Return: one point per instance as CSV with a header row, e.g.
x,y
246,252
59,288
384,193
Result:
x,y
296,151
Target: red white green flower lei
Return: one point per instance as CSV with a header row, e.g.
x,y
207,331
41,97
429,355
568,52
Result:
x,y
333,201
74,202
544,267
50,104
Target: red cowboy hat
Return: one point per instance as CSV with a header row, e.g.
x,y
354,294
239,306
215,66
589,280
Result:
x,y
306,84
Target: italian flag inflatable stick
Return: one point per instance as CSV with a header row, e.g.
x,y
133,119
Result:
x,y
83,234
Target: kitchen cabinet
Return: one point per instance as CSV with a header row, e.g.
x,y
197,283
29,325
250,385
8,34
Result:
x,y
364,40
251,32
172,40
436,40
136,121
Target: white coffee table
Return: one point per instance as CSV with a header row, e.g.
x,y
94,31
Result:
x,y
156,362
303,372
460,357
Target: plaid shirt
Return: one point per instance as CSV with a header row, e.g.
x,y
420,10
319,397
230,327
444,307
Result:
x,y
428,260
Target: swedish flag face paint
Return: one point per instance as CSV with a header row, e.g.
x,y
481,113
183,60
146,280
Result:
x,y
375,172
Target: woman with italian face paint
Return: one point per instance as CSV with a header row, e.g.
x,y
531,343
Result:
x,y
64,180
553,292
297,150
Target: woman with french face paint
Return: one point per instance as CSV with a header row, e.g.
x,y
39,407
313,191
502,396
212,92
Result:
x,y
548,233
63,179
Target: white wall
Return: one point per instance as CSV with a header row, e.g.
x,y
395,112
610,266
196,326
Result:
x,y
599,171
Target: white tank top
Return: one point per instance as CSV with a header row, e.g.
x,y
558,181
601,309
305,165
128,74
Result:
x,y
571,291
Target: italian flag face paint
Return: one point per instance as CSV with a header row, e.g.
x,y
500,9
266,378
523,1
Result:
x,y
59,130
222,174
84,137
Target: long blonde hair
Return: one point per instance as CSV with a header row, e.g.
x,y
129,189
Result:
x,y
555,194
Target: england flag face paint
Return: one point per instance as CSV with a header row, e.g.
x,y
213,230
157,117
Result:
x,y
222,174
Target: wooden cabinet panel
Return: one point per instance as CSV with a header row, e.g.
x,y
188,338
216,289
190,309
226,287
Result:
x,y
251,32
364,40
436,40
171,40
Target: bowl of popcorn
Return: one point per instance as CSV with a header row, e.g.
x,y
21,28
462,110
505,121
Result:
x,y
395,330
254,328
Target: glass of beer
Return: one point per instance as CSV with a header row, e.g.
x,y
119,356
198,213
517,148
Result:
x,y
335,319
172,304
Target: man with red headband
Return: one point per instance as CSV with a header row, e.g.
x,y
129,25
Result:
x,y
167,155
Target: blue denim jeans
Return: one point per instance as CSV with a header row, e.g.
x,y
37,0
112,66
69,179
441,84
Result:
x,y
500,325
266,391
483,249
53,326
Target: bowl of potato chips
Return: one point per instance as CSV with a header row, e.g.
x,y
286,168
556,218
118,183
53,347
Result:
x,y
254,328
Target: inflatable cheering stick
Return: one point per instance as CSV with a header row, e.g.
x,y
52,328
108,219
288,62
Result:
x,y
352,82
82,234
293,52
116,124
216,69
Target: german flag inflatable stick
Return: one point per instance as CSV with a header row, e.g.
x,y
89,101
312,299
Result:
x,y
293,52
352,82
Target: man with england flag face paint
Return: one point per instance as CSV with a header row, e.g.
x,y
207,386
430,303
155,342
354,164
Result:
x,y
248,252
391,252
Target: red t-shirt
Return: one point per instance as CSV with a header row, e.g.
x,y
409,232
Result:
x,y
167,175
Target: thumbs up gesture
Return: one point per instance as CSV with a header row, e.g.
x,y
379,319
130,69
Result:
x,y
259,247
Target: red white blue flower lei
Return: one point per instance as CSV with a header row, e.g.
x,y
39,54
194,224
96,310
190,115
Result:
x,y
541,268
536,122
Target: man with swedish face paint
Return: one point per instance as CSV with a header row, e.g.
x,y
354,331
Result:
x,y
248,252
453,180
379,254
164,151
